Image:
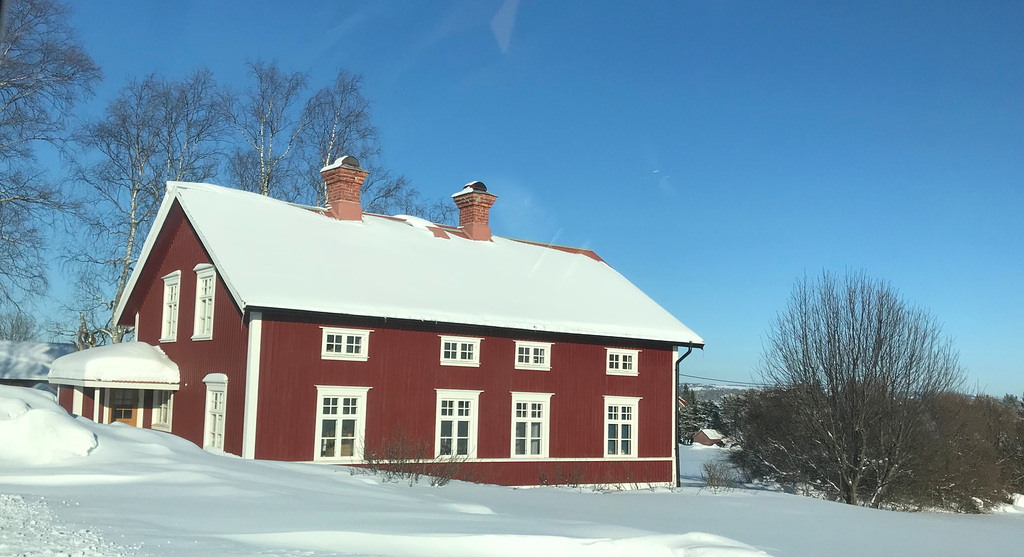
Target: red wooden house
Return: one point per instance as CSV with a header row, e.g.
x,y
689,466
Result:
x,y
311,334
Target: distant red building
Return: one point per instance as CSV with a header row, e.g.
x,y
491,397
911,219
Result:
x,y
322,335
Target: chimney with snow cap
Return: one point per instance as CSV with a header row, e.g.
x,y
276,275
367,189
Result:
x,y
474,205
343,179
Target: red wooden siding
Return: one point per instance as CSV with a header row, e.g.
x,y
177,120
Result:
x,y
65,398
403,371
88,403
178,249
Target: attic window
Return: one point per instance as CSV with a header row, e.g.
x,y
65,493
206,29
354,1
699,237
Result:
x,y
460,351
621,362
345,344
206,280
172,288
533,355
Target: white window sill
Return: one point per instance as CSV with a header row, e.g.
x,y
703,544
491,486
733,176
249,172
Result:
x,y
202,337
533,368
339,460
344,357
623,373
620,457
162,427
168,339
459,364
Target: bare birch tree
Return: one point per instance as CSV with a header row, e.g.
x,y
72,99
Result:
x,y
854,366
154,131
269,118
337,122
44,72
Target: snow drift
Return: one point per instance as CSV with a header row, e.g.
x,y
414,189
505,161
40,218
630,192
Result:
x,y
34,430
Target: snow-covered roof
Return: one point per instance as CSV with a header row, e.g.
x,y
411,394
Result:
x,y
711,433
128,364
273,254
29,361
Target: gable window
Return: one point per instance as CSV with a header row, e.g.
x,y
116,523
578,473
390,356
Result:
x,y
620,426
621,362
169,329
456,430
206,281
340,423
533,355
460,351
345,344
531,421
162,410
216,410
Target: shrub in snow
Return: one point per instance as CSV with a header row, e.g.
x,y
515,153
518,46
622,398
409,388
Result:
x,y
34,430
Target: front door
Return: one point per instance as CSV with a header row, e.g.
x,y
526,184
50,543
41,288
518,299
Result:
x,y
124,406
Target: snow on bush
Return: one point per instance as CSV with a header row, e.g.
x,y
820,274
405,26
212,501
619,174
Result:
x,y
35,430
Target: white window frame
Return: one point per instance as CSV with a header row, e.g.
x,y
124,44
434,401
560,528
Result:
x,y
359,433
531,355
216,383
530,399
204,272
364,344
164,425
634,419
458,360
456,396
171,307
615,364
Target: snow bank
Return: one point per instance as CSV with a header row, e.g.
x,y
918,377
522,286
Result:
x,y
35,431
135,362
505,545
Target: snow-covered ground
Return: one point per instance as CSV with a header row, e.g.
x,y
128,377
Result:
x,y
72,487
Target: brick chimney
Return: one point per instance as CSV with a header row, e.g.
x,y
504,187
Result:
x,y
474,205
343,179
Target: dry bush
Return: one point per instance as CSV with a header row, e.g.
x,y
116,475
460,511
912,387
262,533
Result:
x,y
718,474
402,458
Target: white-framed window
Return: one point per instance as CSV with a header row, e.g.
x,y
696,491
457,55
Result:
x,y
345,344
620,419
531,424
216,410
172,288
340,423
620,361
460,351
456,430
162,410
533,355
206,283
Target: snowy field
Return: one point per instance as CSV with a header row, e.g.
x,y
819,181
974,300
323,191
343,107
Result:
x,y
72,487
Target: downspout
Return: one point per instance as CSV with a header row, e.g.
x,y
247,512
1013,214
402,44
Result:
x,y
675,421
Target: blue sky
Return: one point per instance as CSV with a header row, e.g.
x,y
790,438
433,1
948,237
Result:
x,y
711,151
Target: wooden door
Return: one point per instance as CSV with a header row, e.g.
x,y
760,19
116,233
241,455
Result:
x,y
124,406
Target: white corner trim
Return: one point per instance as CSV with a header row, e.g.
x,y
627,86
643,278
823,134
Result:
x,y
252,384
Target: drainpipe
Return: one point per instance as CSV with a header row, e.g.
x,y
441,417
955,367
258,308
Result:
x,y
675,401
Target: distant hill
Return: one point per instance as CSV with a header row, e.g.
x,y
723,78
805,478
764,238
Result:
x,y
713,392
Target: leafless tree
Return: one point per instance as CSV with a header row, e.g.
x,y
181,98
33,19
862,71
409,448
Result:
x,y
854,366
154,131
269,119
44,72
18,326
337,122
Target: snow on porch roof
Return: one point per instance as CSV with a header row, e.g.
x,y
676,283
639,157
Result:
x,y
127,365
273,254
